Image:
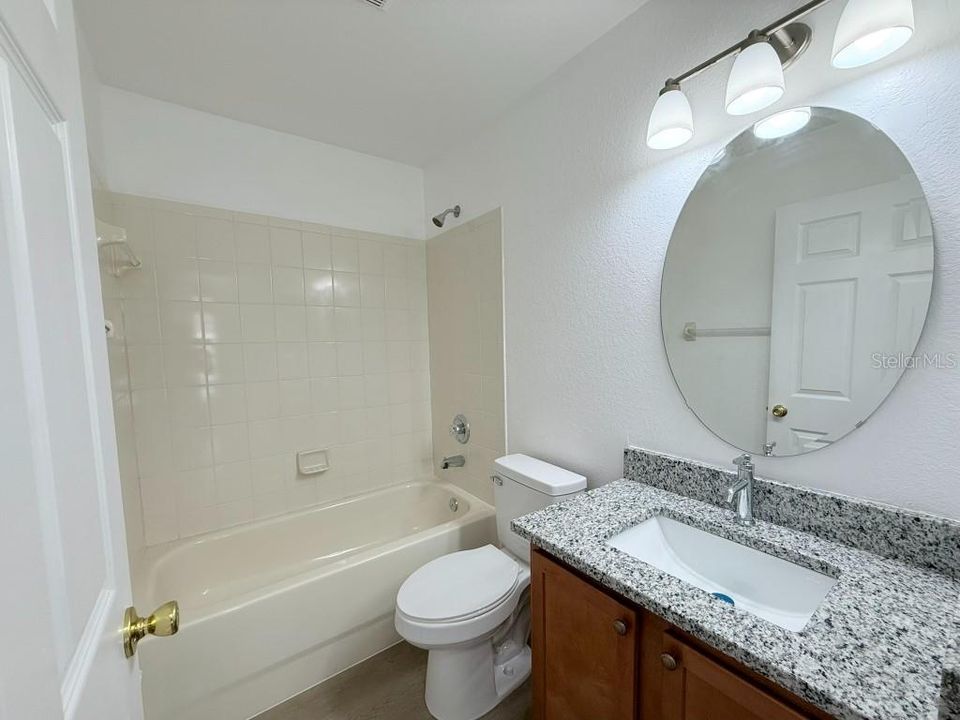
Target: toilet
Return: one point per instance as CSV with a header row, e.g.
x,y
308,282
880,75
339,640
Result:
x,y
471,609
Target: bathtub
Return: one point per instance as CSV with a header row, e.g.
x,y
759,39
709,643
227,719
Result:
x,y
271,608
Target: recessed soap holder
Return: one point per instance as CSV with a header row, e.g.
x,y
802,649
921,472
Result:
x,y
312,462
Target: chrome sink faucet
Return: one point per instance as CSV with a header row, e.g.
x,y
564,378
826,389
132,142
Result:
x,y
740,494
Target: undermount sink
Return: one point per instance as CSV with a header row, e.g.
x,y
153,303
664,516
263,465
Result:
x,y
766,586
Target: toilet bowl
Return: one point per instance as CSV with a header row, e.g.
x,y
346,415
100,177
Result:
x,y
471,609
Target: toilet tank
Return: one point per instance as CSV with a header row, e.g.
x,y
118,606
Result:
x,y
523,484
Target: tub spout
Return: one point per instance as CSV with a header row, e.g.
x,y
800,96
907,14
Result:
x,y
453,461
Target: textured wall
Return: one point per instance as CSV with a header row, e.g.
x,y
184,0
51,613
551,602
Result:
x,y
588,212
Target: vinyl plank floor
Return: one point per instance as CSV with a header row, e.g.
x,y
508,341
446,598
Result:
x,y
388,686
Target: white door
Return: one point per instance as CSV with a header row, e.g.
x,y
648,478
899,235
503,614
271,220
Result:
x,y
64,580
851,279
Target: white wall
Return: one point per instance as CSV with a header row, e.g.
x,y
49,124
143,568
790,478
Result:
x,y
588,212
160,150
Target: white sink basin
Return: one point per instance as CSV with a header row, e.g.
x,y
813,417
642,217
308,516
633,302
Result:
x,y
776,590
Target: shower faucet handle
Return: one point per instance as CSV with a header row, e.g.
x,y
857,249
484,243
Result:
x,y
460,429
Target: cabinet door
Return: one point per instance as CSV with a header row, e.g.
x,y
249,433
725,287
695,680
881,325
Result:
x,y
695,687
584,648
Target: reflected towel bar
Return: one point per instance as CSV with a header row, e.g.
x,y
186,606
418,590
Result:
x,y
691,332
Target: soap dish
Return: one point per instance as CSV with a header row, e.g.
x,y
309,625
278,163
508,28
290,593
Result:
x,y
312,462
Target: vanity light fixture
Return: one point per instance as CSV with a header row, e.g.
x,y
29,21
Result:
x,y
756,80
868,31
783,123
671,122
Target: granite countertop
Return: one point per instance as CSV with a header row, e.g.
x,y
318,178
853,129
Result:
x,y
877,647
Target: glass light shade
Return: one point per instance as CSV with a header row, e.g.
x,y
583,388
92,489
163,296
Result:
x,y
782,123
870,30
671,122
756,79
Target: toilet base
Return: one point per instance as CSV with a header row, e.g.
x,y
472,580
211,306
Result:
x,y
464,683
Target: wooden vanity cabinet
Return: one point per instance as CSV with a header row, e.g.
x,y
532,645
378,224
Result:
x,y
597,657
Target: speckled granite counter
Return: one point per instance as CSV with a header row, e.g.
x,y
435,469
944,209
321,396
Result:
x,y
874,649
950,690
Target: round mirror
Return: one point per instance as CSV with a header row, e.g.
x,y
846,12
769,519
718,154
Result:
x,y
797,282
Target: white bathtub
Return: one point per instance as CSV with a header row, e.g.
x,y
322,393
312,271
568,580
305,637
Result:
x,y
272,608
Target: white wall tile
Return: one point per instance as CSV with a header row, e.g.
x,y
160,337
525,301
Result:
x,y
141,321
233,481
258,323
246,340
191,448
345,254
320,324
295,398
218,281
184,365
292,360
285,247
252,243
230,443
146,366
323,359
225,364
349,359
221,322
370,254
228,404
176,235
372,291
349,324
318,287
291,323
346,289
188,406
317,251
263,400
260,361
180,321
288,285
178,280
254,284
215,239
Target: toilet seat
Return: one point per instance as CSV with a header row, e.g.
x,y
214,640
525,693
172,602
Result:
x,y
459,586
460,597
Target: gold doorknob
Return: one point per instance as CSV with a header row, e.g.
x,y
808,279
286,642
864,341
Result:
x,y
779,411
164,621
620,627
668,661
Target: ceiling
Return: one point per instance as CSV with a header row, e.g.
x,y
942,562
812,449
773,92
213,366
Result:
x,y
404,83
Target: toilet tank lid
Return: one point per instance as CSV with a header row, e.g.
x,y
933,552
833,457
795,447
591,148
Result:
x,y
539,475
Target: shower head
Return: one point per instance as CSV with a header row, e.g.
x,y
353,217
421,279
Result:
x,y
439,219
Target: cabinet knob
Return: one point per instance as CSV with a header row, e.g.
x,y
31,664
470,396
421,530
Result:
x,y
668,661
620,627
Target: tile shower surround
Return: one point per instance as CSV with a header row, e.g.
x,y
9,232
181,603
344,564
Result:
x,y
245,339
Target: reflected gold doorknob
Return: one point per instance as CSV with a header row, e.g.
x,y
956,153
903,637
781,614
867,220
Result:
x,y
164,621
779,411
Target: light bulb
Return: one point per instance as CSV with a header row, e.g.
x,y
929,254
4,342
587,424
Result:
x,y
870,30
671,122
756,79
